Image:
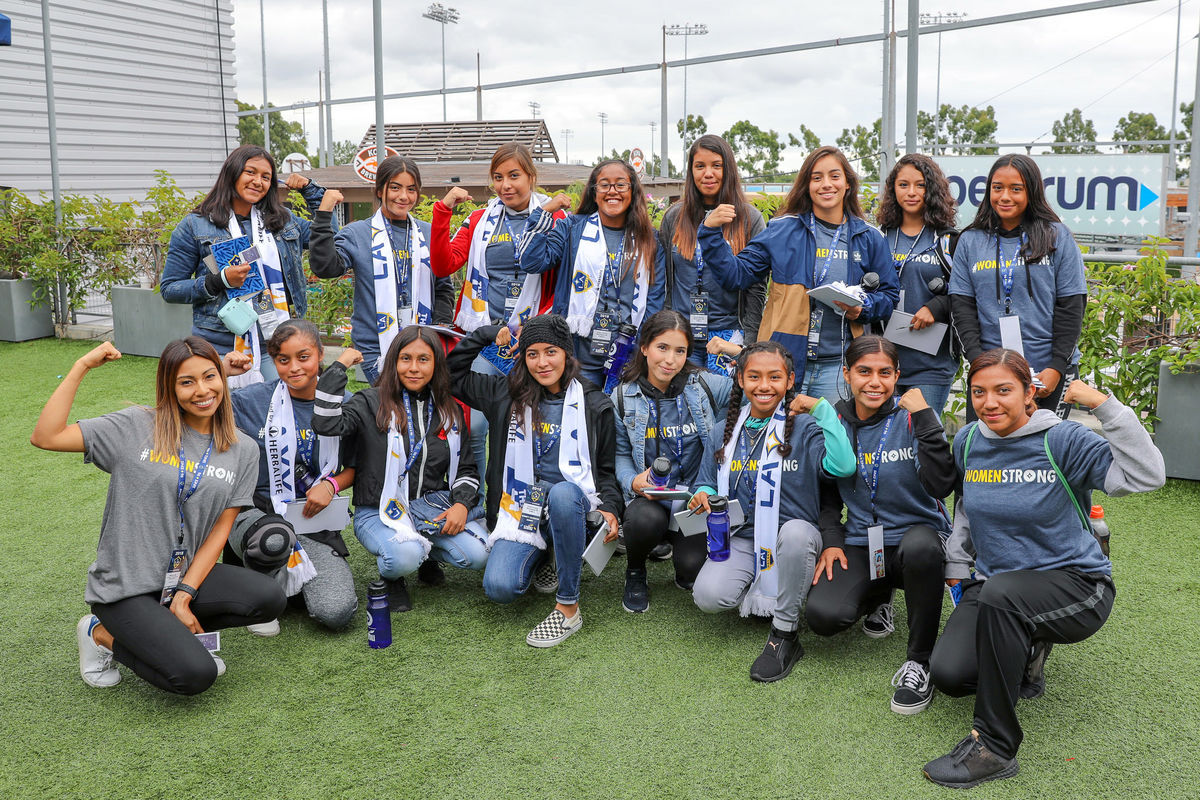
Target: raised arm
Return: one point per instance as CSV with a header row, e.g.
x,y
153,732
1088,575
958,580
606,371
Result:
x,y
544,244
331,416
51,432
446,255
476,390
748,267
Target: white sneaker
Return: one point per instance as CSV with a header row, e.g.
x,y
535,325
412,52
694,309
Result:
x,y
554,629
95,662
220,663
265,629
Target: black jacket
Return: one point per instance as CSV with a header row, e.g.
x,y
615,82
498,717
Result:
x,y
489,394
356,418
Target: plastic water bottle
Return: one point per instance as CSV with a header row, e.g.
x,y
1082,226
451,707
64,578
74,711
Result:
x,y
718,529
1100,528
618,354
660,471
379,616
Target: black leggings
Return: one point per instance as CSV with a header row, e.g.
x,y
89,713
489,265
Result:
x,y
914,565
151,641
645,525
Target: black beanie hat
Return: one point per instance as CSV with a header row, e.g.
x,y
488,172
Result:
x,y
547,329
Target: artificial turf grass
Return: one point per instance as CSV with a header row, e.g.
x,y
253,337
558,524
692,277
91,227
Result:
x,y
653,705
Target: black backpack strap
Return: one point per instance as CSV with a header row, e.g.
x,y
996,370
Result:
x,y
712,401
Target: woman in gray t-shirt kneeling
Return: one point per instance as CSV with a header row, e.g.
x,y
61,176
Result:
x,y
180,471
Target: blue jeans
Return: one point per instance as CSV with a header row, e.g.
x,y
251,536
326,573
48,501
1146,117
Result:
x,y
479,424
369,372
935,394
824,379
510,564
466,550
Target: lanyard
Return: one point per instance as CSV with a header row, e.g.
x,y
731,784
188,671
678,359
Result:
x,y
699,259
872,480
1007,268
746,444
180,496
417,444
900,263
612,270
540,450
837,235
402,269
516,240
677,441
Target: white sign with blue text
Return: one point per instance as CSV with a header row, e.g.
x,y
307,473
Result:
x,y
1115,195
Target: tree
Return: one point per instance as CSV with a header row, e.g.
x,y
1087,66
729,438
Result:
x,y
862,145
345,151
962,125
1074,128
807,141
286,137
758,151
693,130
1185,124
1137,126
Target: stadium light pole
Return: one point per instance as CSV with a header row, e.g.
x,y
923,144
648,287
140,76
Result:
x,y
685,30
603,121
566,132
937,18
446,16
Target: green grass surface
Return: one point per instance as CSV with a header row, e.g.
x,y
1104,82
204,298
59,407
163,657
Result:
x,y
657,705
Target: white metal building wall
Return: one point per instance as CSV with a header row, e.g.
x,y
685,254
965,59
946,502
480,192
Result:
x,y
138,87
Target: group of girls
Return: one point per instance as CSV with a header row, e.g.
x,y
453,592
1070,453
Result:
x,y
593,347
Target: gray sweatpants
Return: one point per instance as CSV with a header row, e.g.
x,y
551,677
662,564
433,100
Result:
x,y
329,596
721,585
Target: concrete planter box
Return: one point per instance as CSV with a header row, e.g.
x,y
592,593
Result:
x,y
143,322
1177,434
19,321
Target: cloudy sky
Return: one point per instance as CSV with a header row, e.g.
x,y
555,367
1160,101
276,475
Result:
x,y
1106,62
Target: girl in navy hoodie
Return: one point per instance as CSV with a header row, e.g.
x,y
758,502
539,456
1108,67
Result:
x,y
819,236
605,254
1041,577
904,468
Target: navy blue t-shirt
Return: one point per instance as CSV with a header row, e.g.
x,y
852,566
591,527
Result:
x,y
834,330
549,430
501,260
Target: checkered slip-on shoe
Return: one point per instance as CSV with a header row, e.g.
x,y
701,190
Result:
x,y
545,577
554,629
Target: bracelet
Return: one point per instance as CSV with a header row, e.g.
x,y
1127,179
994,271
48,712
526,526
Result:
x,y
333,481
224,280
188,590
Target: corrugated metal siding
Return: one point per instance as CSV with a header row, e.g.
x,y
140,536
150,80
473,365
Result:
x,y
137,88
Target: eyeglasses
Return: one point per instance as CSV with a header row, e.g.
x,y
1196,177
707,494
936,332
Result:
x,y
619,186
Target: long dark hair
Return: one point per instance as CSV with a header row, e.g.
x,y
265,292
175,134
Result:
x,y
735,396
391,398
526,392
870,343
691,206
658,324
799,201
638,229
168,416
940,208
217,205
1012,361
1038,219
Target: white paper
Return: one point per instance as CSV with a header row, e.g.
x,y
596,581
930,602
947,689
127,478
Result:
x,y
830,292
334,517
1010,333
927,340
597,554
691,524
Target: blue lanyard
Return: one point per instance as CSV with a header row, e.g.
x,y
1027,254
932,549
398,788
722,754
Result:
x,y
180,496
541,450
516,240
832,250
402,270
1008,269
902,262
417,444
872,480
699,259
612,273
677,441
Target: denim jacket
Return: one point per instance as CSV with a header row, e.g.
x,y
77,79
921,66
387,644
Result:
x,y
631,458
184,271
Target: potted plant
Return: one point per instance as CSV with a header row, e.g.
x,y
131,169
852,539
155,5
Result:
x,y
21,239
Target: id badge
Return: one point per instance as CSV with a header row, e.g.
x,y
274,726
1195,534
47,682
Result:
x,y
1010,333
532,508
699,317
404,316
875,548
512,293
175,568
602,333
814,331
900,306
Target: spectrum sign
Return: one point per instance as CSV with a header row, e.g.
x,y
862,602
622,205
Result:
x,y
1114,195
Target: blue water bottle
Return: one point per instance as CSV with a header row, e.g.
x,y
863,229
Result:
x,y
379,616
618,354
660,472
718,529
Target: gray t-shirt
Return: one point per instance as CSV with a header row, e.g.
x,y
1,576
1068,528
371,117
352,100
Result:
x,y
141,518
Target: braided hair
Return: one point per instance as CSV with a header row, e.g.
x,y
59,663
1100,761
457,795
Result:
x,y
737,394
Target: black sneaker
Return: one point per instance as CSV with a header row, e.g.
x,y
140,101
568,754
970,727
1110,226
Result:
x,y
881,622
969,764
780,654
687,586
398,599
430,573
914,689
637,593
1033,683
661,552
